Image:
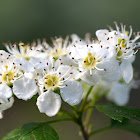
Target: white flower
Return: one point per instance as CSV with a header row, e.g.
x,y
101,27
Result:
x,y
22,51
95,61
9,72
121,43
4,56
22,54
87,40
58,48
11,75
4,102
62,78
119,93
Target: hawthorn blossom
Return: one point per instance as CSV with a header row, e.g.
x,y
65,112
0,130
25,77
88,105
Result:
x,y
95,61
22,54
56,82
12,76
123,46
56,70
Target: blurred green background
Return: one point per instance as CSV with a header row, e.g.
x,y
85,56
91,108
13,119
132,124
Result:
x,y
31,19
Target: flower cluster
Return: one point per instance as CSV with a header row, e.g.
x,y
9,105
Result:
x,y
64,68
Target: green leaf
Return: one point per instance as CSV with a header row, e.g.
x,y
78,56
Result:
x,y
119,113
33,131
128,126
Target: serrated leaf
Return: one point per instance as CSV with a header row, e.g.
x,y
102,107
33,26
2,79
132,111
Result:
x,y
128,126
119,113
33,131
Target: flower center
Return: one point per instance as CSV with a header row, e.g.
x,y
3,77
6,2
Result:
x,y
122,42
8,76
23,52
56,53
120,52
52,81
90,61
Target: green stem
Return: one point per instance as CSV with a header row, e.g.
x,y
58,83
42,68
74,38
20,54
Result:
x,y
60,120
100,130
89,114
85,99
67,113
83,130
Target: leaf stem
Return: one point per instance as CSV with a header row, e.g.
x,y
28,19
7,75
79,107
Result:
x,y
60,120
85,99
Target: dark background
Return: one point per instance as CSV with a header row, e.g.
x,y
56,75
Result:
x,y
25,20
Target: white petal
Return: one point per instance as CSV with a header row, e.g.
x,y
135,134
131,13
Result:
x,y
72,93
112,72
3,98
1,115
68,72
132,59
126,70
90,79
24,64
65,60
113,38
119,94
5,90
40,63
75,38
102,35
49,103
24,88
6,105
